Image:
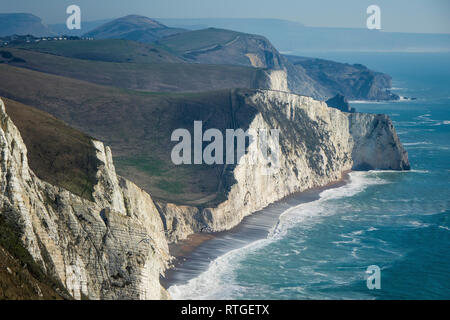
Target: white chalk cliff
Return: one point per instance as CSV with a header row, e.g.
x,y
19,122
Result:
x,y
112,248
318,144
115,247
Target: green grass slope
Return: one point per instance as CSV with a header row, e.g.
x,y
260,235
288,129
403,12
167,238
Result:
x,y
164,77
57,153
104,50
138,127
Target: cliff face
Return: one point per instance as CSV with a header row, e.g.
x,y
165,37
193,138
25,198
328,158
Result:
x,y
272,80
376,144
110,248
115,247
317,143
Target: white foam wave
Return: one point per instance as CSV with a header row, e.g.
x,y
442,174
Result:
x,y
415,143
399,171
425,119
370,101
440,123
358,182
218,281
400,100
417,224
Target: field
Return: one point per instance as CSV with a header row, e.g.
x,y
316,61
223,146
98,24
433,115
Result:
x,y
161,77
196,40
104,50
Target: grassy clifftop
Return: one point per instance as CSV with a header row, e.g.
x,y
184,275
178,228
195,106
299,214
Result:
x,y
104,50
137,125
162,77
57,153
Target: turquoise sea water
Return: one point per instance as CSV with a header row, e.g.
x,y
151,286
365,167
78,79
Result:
x,y
399,221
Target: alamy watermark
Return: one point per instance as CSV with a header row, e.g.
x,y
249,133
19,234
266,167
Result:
x,y
74,20
374,20
253,147
373,277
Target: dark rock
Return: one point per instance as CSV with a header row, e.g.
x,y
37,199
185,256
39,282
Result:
x,y
340,102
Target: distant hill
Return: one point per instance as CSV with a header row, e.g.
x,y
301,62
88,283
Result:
x,y
209,59
321,79
261,26
219,46
288,36
133,27
22,24
86,26
179,58
295,38
225,47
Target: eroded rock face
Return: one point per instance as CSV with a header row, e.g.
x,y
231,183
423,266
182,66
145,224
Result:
x,y
115,247
112,248
317,145
376,144
180,221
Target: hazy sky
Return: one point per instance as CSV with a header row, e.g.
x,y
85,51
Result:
x,y
396,15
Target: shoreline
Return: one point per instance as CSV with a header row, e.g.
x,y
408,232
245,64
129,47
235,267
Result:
x,y
193,255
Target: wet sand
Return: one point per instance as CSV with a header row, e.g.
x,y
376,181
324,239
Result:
x,y
193,255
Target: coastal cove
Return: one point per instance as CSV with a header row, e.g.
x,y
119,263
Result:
x,y
320,249
194,254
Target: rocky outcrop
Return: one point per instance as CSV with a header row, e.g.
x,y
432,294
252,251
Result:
x,y
180,220
272,80
376,144
133,27
110,248
317,144
340,102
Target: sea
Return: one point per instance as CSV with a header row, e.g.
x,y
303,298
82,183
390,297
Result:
x,y
324,244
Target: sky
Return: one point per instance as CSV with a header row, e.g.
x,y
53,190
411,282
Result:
x,y
417,16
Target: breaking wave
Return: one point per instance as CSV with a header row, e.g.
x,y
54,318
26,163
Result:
x,y
218,281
